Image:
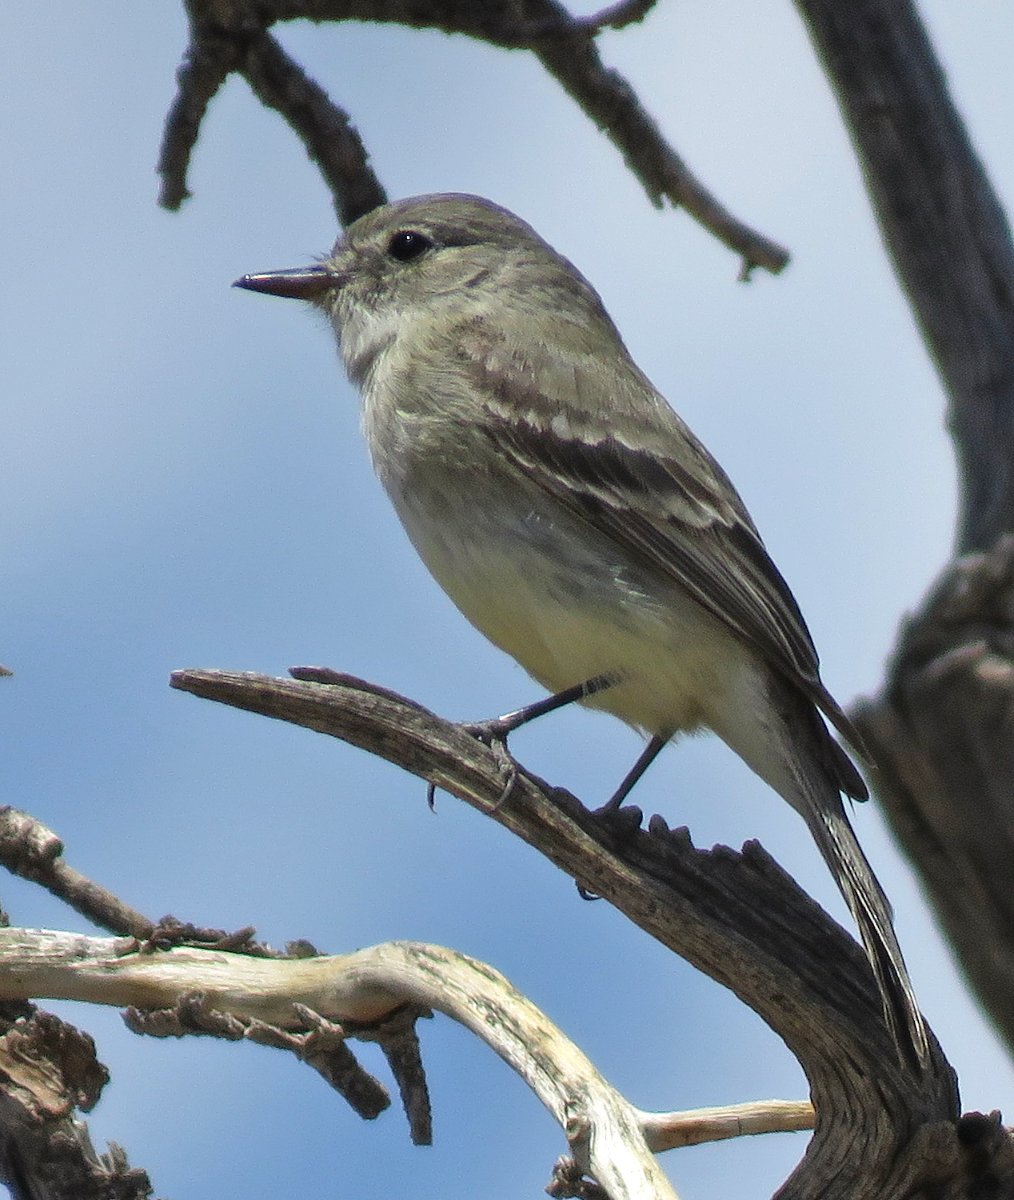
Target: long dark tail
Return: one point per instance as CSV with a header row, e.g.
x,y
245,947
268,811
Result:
x,y
872,912
787,743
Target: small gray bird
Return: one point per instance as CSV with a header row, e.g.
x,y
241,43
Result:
x,y
576,521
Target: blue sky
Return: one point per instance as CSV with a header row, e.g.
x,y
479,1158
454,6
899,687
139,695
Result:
x,y
184,484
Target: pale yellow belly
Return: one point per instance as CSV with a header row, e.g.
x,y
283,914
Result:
x,y
673,661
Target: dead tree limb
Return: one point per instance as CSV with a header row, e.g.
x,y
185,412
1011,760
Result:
x,y
941,727
239,997
48,1072
285,1003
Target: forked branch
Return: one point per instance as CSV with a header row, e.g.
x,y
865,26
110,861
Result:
x,y
192,990
232,36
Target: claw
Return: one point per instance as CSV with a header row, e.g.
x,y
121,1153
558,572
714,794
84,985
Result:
x,y
493,734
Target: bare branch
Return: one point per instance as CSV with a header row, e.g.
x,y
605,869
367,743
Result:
x,y
231,35
610,101
941,727
618,16
331,140
227,38
205,67
667,1131
399,1041
942,732
519,29
29,849
324,1047
362,988
943,227
736,916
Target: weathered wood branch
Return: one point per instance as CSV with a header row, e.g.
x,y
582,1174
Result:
x,y
941,727
666,1131
738,917
48,1071
943,734
186,989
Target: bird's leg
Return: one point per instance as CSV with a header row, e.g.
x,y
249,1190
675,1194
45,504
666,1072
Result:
x,y
494,732
624,822
646,758
497,728
500,727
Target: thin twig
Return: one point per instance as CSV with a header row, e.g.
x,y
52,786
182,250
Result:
x,y
206,65
617,16
526,32
667,1131
399,1041
610,101
327,132
29,849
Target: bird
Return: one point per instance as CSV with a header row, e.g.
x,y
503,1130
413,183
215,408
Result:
x,y
576,521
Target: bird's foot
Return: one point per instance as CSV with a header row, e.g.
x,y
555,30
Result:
x,y
623,822
493,733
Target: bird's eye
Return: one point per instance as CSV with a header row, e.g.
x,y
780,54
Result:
x,y
407,245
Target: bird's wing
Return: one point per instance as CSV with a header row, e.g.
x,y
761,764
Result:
x,y
598,437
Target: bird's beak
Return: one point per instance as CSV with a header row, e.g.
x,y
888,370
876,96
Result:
x,y
302,283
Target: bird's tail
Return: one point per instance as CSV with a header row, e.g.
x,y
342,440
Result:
x,y
871,909
800,759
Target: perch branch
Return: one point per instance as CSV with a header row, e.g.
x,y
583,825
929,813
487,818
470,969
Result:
x,y
738,917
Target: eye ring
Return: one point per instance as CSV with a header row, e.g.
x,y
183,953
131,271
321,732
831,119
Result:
x,y
408,244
